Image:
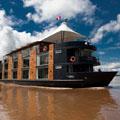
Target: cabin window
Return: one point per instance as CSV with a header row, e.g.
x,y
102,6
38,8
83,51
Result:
x,y
42,66
42,48
5,75
15,60
25,73
42,61
6,66
15,56
0,69
0,65
5,69
0,75
26,52
42,73
26,60
14,74
15,64
25,69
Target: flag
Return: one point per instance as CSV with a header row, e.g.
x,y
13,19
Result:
x,y
58,18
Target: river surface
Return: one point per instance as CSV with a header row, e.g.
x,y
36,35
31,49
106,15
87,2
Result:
x,y
36,103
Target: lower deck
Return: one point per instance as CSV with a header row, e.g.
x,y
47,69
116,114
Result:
x,y
94,79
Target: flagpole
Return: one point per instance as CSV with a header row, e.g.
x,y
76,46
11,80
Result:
x,y
62,32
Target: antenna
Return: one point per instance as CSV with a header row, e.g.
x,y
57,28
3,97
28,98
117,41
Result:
x,y
89,39
65,20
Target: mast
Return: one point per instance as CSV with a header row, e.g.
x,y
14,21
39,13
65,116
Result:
x,y
62,32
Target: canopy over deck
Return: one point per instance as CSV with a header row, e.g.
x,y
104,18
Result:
x,y
63,33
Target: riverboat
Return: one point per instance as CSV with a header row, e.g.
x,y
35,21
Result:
x,y
62,59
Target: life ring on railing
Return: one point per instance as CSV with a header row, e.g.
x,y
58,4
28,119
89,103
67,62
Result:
x,y
72,59
45,48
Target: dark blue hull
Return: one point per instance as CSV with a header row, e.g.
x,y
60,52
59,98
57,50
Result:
x,y
93,79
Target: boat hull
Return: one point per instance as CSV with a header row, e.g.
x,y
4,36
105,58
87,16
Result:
x,y
93,79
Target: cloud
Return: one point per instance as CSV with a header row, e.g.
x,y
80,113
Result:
x,y
113,66
112,26
47,10
101,53
4,20
11,39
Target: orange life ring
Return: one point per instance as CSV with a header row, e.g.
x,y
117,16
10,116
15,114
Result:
x,y
45,48
72,59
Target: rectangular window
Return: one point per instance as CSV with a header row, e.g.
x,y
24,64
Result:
x,y
26,62
15,64
5,60
42,48
14,74
42,73
1,66
5,75
5,68
15,55
26,52
25,73
0,69
5,64
0,75
44,59
25,67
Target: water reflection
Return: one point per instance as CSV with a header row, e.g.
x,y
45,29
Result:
x,y
42,104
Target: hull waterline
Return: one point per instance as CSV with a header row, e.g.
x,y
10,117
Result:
x,y
94,79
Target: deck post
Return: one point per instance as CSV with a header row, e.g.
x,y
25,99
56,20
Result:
x,y
19,70
33,63
3,71
51,62
10,67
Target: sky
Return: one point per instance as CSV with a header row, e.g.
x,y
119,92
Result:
x,y
25,21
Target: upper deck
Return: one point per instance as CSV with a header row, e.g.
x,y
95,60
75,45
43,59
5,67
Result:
x,y
61,52
77,44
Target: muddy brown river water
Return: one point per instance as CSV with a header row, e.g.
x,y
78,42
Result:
x,y
36,103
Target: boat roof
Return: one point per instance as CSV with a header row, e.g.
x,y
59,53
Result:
x,y
69,34
55,37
